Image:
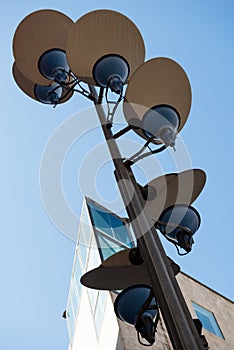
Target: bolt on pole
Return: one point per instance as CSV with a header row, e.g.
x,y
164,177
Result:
x,y
181,329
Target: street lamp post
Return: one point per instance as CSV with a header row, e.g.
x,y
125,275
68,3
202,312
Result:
x,y
43,74
179,323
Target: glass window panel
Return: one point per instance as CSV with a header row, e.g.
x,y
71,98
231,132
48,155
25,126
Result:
x,y
110,224
74,298
102,297
93,295
84,254
107,247
85,234
208,320
120,231
85,218
94,257
93,262
98,317
100,310
70,319
77,273
76,290
100,219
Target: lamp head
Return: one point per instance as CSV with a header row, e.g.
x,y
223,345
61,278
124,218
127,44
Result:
x,y
161,123
53,65
41,35
111,70
48,94
158,100
178,224
137,306
104,47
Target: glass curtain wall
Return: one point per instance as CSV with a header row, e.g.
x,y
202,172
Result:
x,y
100,235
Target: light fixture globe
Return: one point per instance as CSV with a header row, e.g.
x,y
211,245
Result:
x,y
111,71
129,302
137,306
53,65
161,123
178,224
96,36
49,94
156,83
37,33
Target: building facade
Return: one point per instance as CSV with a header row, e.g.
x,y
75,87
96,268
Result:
x,y
91,321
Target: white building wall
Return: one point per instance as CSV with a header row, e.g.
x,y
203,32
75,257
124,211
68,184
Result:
x,y
86,335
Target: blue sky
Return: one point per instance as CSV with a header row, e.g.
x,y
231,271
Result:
x,y
35,258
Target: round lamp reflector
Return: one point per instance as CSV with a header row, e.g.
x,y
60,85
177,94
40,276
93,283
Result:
x,y
53,65
48,94
37,33
110,69
182,215
159,81
101,33
161,123
129,302
28,87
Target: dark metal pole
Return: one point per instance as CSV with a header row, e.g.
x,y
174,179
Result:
x,y
179,323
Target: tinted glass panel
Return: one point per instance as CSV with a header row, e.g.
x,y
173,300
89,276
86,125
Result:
x,y
70,319
109,224
102,222
77,273
107,247
208,320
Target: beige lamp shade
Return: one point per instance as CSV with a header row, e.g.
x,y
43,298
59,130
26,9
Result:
x,y
101,33
117,273
38,32
176,188
159,81
28,87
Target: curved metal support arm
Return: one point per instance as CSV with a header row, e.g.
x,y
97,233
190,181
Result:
x,y
70,86
122,132
140,155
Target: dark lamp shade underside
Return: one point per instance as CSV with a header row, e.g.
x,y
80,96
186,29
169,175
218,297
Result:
x,y
176,188
118,273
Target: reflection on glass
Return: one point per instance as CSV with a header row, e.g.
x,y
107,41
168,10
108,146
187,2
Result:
x,y
100,311
107,247
93,295
110,224
208,320
101,234
77,273
74,297
70,319
93,262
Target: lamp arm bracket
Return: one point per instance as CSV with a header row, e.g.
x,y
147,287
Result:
x,y
140,155
115,104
